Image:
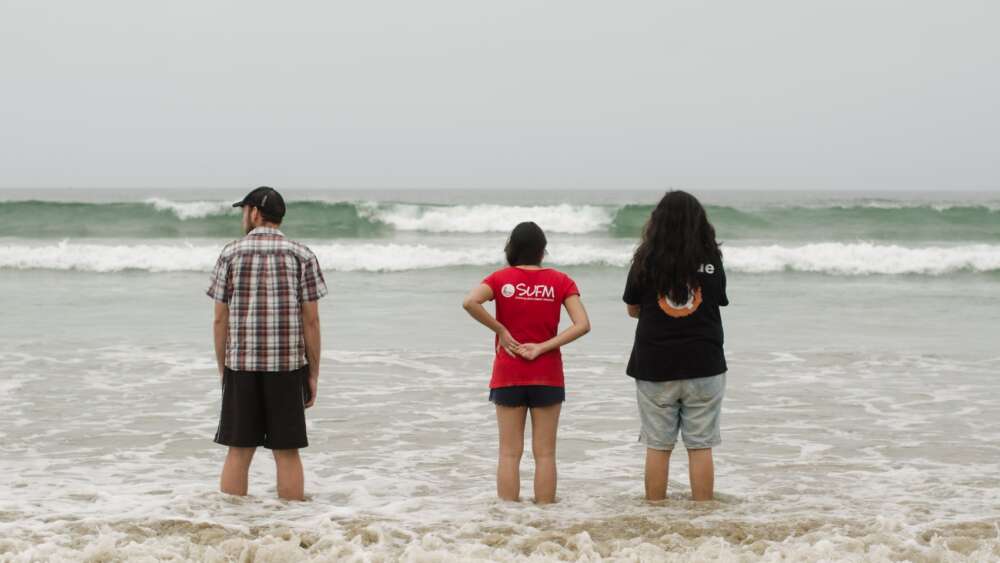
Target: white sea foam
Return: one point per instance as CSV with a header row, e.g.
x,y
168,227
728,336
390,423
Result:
x,y
155,540
486,218
392,475
864,259
371,257
825,258
889,204
563,218
191,209
108,258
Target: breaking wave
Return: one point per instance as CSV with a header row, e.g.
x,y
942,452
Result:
x,y
162,218
845,259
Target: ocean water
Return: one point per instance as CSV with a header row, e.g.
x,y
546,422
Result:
x,y
861,422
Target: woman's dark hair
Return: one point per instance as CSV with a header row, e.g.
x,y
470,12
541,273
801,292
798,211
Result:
x,y
526,245
676,241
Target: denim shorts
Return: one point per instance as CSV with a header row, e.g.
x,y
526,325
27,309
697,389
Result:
x,y
689,406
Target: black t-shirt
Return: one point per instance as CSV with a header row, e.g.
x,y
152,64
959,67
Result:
x,y
678,341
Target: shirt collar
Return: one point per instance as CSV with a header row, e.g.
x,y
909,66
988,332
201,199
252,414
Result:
x,y
265,231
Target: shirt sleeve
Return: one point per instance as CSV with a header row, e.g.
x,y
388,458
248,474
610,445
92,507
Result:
x,y
312,286
220,288
491,280
723,298
633,291
569,288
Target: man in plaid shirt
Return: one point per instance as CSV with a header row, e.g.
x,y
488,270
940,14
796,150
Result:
x,y
267,344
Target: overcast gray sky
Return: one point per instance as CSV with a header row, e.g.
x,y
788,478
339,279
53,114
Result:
x,y
528,94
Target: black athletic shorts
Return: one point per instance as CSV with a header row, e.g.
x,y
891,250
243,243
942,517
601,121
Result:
x,y
527,396
264,408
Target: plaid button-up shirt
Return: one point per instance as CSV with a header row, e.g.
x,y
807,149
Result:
x,y
265,278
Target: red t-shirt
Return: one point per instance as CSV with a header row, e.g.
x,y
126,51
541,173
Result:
x,y
528,303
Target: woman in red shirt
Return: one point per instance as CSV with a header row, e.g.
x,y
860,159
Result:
x,y
527,368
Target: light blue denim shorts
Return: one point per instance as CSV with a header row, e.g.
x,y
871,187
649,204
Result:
x,y
690,406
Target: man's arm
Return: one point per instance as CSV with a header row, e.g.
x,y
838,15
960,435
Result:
x,y
633,310
310,331
220,331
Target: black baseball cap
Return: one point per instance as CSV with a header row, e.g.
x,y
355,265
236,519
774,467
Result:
x,y
268,200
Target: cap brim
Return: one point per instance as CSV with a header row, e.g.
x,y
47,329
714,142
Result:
x,y
239,204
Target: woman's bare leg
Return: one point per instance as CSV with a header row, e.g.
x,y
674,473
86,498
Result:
x,y
702,472
544,424
510,423
657,471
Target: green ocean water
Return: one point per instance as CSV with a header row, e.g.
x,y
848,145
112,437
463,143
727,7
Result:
x,y
901,221
861,418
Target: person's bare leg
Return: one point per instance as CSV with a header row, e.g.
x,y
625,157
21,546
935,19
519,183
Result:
x,y
702,472
657,471
510,423
544,424
235,472
291,482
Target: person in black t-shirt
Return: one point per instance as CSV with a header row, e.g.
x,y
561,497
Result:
x,y
675,287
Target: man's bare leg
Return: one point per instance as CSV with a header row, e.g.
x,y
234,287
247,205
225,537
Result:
x,y
657,471
510,423
702,472
235,472
544,423
291,481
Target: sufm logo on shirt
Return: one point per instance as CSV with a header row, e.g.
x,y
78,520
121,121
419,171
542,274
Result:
x,y
529,292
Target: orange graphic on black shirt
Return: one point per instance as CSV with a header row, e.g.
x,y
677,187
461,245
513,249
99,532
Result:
x,y
678,310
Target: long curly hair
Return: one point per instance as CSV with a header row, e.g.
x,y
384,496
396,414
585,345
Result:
x,y
676,241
